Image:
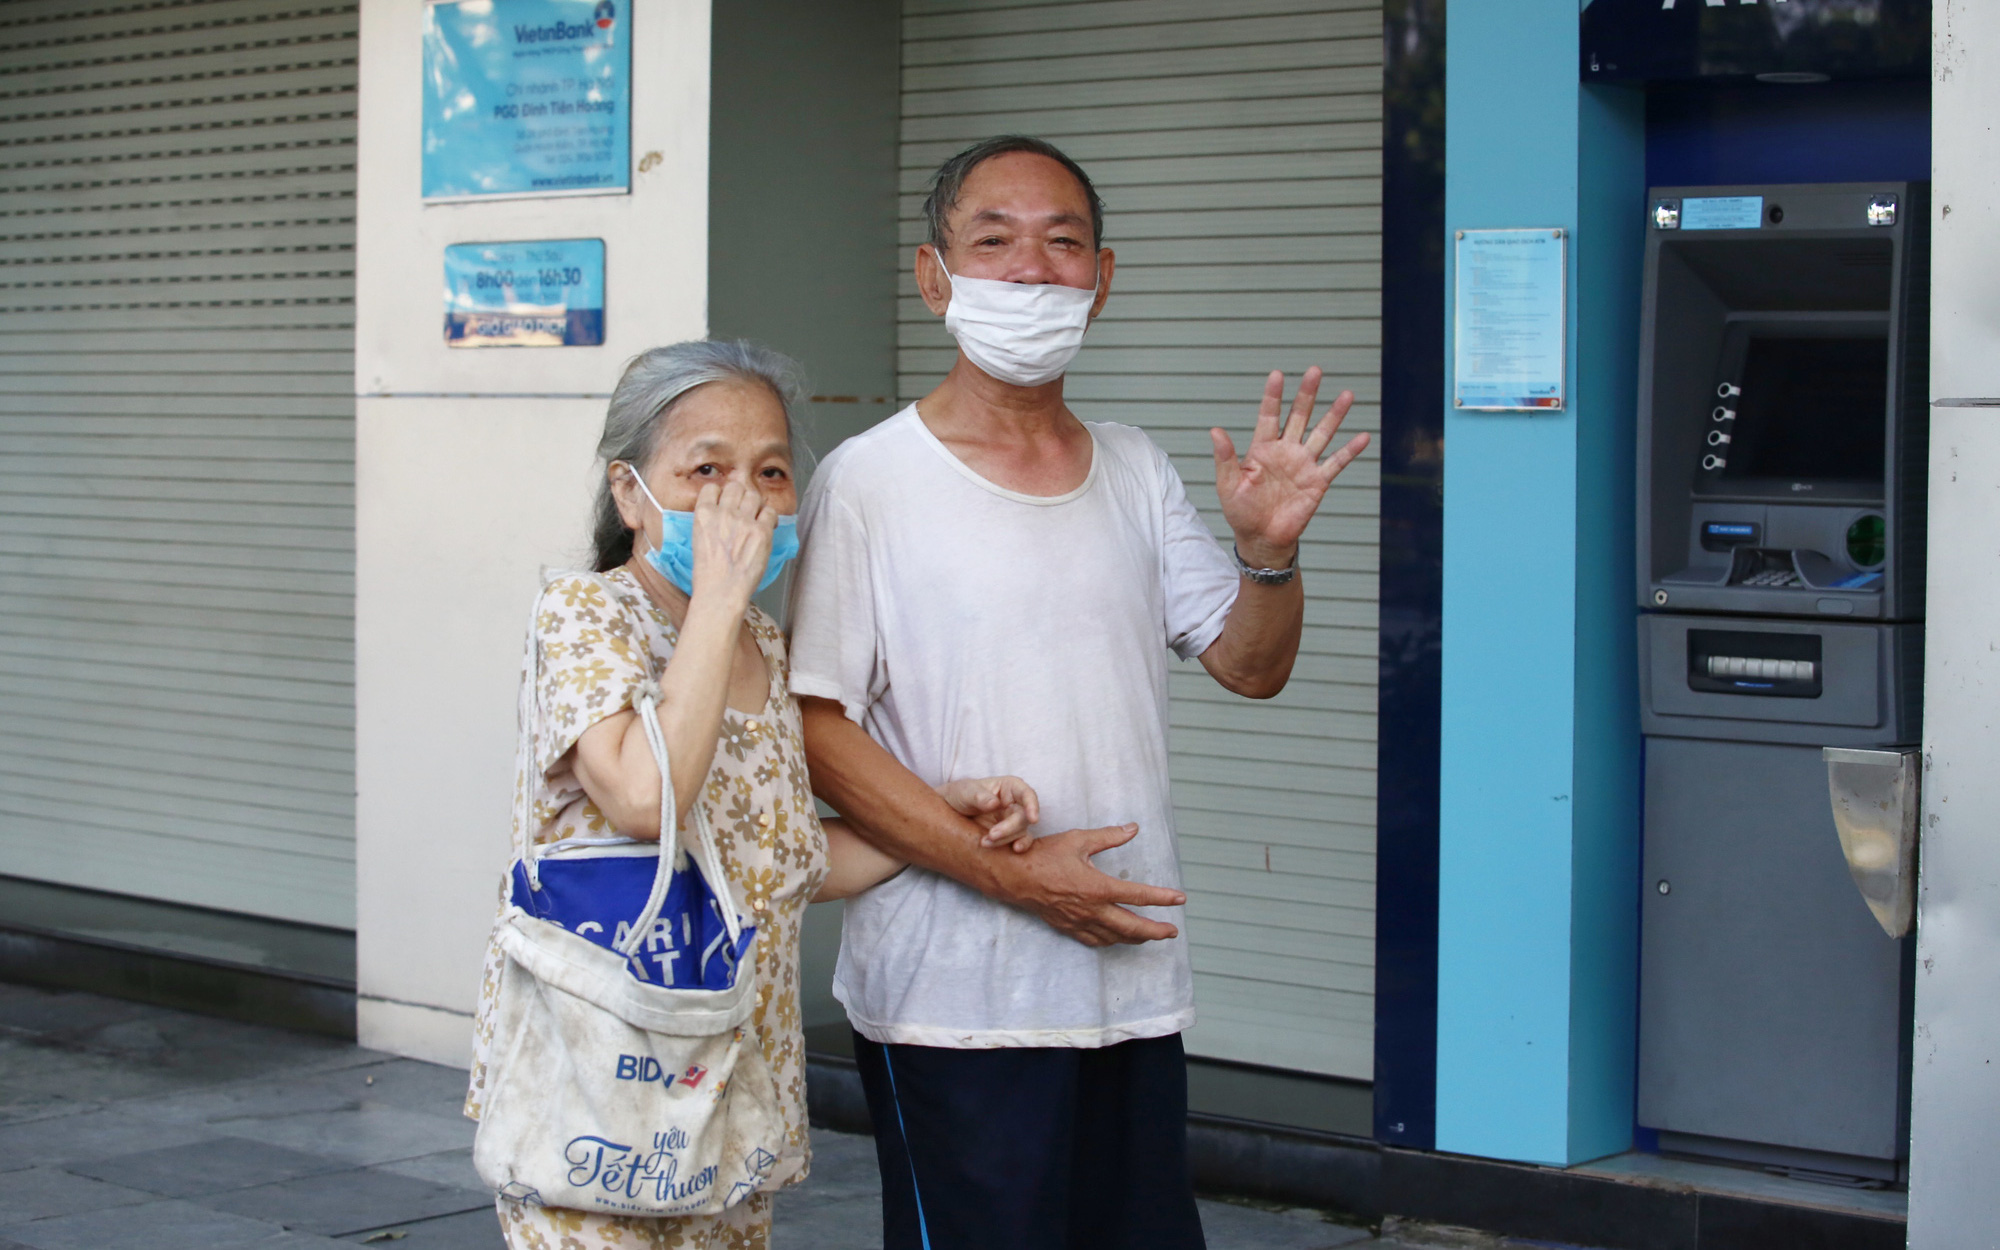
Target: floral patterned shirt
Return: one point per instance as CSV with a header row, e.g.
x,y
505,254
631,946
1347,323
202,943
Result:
x,y
592,653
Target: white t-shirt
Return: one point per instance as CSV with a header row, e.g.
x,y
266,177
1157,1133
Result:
x,y
974,631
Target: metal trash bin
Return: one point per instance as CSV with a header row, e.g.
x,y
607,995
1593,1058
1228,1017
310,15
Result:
x,y
1875,802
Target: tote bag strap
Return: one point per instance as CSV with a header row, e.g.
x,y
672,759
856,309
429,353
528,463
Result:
x,y
646,703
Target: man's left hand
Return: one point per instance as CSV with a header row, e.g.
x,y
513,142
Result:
x,y
1270,495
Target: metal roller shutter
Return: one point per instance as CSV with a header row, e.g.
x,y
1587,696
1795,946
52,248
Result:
x,y
1238,148
177,450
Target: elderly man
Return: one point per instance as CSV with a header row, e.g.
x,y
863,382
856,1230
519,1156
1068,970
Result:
x,y
991,586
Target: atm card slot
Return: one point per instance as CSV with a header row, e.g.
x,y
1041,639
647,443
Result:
x,y
1740,662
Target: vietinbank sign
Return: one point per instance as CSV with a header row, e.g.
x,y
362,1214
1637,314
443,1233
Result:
x,y
527,98
603,18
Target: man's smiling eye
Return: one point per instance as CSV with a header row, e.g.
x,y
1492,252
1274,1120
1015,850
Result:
x,y
776,474
707,470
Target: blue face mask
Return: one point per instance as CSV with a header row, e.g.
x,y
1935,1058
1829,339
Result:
x,y
674,558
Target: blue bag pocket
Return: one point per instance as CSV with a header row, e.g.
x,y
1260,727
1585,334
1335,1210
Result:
x,y
596,897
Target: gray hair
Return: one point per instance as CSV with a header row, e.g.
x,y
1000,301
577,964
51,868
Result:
x,y
950,180
653,384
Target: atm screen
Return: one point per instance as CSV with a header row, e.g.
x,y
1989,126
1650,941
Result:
x,y
1812,408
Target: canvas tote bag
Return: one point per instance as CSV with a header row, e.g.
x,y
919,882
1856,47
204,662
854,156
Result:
x,y
623,1075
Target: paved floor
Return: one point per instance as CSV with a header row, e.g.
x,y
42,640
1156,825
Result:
x,y
127,1127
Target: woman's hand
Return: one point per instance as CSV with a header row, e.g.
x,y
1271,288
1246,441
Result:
x,y
732,542
1004,806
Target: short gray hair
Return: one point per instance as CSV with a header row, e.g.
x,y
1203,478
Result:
x,y
950,180
653,384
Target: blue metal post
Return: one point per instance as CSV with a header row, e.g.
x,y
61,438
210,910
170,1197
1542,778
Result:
x,y
1539,767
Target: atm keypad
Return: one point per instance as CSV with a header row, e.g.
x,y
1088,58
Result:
x,y
1772,577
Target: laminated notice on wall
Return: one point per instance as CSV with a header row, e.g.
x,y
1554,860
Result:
x,y
1509,320
526,98
546,293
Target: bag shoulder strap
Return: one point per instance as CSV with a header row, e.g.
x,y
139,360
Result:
x,y
646,703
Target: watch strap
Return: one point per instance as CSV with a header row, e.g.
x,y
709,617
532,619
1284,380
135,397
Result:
x,y
1265,577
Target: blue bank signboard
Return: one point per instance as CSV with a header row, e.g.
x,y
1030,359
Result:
x,y
546,293
527,98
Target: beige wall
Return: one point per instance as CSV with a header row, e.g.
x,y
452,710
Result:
x,y
474,471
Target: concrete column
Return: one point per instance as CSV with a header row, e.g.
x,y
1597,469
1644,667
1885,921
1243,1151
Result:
x,y
1538,910
1955,1099
474,470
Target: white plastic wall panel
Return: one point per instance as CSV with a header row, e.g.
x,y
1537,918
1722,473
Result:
x,y
1238,151
177,450
1965,203
1955,1078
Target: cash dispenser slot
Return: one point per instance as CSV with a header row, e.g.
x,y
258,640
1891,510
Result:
x,y
1728,661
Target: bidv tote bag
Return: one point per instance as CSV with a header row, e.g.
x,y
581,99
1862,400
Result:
x,y
623,1076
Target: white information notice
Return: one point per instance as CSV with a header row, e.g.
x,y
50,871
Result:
x,y
1509,320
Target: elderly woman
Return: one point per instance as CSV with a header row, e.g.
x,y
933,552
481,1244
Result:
x,y
694,516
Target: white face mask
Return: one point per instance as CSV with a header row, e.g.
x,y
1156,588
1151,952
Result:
x,y
1019,333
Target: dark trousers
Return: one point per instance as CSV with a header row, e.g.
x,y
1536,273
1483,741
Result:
x,y
1032,1148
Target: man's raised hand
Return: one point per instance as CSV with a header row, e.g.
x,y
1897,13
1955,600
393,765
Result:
x,y
1270,495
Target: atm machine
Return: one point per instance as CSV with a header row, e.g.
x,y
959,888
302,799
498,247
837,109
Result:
x,y
1782,458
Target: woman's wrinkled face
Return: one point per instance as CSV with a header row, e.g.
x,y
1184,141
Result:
x,y
717,433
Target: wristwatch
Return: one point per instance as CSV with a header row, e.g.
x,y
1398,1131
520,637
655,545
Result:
x,y
1266,577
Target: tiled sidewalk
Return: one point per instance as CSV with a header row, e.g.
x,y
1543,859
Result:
x,y
127,1127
